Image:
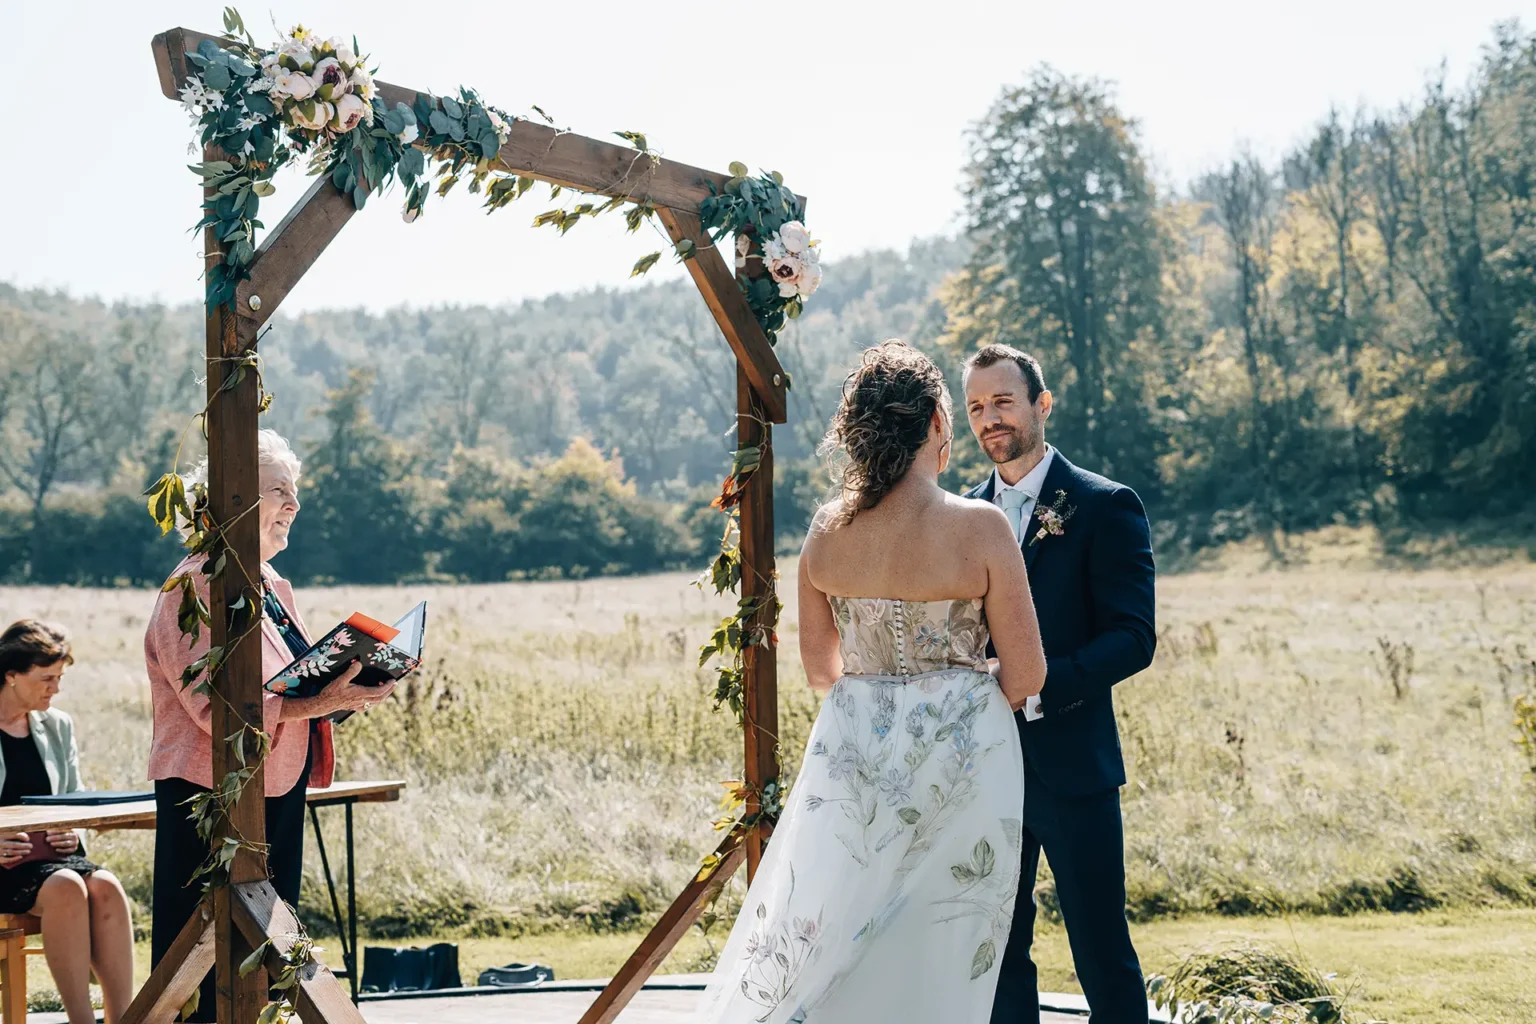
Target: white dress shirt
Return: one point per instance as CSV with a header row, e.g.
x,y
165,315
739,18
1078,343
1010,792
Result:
x,y
1031,484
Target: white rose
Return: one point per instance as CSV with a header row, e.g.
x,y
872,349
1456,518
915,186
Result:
x,y
743,248
294,85
408,136
810,280
773,249
786,271
362,84
312,114
330,81
350,111
298,56
343,51
794,236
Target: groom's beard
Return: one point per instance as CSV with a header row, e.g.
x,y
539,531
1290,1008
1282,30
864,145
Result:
x,y
1005,444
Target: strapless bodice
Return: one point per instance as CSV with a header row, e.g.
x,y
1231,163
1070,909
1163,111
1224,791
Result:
x,y
882,636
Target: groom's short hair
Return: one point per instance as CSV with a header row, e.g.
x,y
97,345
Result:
x,y
1029,366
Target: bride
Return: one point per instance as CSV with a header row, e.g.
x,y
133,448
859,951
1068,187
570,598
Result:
x,y
888,889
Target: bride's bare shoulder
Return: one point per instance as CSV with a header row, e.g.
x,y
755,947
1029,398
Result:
x,y
824,522
981,520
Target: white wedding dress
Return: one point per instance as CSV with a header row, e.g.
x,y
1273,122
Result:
x,y
887,891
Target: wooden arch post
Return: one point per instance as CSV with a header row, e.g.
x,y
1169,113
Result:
x,y
237,919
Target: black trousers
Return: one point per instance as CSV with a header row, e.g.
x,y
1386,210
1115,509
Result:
x,y
179,851
1085,842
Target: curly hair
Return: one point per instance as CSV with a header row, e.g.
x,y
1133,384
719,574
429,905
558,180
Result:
x,y
882,421
28,644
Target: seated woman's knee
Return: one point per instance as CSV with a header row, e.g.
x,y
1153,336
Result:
x,y
62,890
103,886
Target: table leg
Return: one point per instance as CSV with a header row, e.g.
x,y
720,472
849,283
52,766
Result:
x,y
348,952
353,967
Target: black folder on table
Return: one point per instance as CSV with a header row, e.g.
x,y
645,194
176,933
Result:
x,y
89,798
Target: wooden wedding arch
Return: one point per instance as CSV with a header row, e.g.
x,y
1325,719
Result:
x,y
235,920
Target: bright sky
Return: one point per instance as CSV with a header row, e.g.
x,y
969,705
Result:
x,y
862,106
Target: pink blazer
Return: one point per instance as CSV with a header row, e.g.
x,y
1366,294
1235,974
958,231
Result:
x,y
183,747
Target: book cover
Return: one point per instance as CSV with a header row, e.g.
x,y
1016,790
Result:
x,y
386,653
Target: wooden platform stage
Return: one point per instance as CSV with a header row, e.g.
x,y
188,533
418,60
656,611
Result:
x,y
666,1002
649,1007
672,1000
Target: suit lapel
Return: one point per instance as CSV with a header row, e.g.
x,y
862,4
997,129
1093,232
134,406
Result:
x,y
983,490
45,747
1057,478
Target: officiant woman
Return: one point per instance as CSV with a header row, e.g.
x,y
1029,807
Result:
x,y
85,915
181,756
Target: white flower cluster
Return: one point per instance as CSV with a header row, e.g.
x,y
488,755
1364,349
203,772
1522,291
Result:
x,y
503,130
198,99
318,85
793,260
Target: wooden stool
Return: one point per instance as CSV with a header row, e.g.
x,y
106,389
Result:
x,y
14,929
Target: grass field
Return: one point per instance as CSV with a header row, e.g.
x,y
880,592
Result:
x,y
1334,737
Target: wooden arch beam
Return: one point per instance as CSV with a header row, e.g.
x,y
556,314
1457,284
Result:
x,y
538,151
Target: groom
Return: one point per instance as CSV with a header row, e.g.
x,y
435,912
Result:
x,y
1089,557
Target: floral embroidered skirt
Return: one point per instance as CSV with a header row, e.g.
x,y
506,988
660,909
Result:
x,y
888,889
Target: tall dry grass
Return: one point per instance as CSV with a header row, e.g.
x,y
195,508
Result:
x,y
1328,738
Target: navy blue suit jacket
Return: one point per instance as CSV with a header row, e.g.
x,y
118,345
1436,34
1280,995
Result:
x,y
1094,593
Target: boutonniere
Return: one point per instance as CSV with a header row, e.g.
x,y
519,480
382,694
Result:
x,y
1053,519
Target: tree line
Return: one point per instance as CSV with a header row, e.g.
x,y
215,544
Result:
x,y
1342,334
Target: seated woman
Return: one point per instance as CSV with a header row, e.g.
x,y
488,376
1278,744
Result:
x,y
86,920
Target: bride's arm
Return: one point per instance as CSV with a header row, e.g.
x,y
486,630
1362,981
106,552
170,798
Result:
x,y
1010,610
819,651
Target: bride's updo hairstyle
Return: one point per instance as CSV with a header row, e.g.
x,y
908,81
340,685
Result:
x,y
882,421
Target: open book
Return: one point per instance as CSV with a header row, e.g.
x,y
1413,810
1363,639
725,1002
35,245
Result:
x,y
387,652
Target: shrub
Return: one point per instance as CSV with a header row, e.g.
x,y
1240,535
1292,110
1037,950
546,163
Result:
x,y
1246,985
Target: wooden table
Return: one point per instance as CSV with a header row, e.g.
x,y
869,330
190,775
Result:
x,y
141,814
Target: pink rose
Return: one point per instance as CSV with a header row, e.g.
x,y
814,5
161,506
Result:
x,y
786,271
349,114
331,80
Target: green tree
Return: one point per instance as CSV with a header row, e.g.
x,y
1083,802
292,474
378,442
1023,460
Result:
x,y
1067,263
361,519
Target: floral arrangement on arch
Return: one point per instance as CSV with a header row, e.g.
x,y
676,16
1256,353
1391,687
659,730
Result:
x,y
768,222
317,97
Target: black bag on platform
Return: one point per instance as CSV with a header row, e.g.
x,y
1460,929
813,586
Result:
x,y
517,976
414,969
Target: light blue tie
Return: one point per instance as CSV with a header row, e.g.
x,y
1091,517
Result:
x,y
1012,501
